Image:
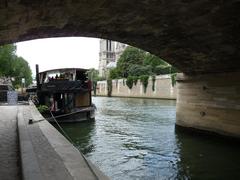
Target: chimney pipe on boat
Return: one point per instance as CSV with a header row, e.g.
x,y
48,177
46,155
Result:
x,y
37,77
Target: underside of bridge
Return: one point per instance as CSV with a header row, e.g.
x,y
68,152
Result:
x,y
199,37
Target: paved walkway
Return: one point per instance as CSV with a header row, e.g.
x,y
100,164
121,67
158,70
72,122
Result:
x,y
9,149
48,153
45,153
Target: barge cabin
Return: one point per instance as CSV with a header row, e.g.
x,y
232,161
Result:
x,y
67,94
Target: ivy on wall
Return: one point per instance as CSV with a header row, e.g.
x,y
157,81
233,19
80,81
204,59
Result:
x,y
173,79
94,84
132,80
135,80
109,87
153,82
144,81
129,82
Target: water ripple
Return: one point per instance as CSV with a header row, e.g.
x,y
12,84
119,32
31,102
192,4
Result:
x,y
136,139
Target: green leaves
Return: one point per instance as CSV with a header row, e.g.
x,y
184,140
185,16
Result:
x,y
13,66
7,57
154,61
21,70
42,108
129,82
144,81
135,80
138,70
131,56
136,62
114,73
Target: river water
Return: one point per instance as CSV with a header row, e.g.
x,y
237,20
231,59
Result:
x,y
136,139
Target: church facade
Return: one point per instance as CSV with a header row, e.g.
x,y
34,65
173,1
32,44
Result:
x,y
110,52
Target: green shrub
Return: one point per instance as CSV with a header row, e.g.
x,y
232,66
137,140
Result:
x,y
42,108
162,69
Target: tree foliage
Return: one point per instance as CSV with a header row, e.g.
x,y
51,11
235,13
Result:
x,y
154,62
7,57
131,56
21,70
114,73
136,62
13,66
138,70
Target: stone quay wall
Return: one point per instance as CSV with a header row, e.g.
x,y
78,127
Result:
x,y
163,88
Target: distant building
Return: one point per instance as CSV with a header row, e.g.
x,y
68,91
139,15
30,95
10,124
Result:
x,y
106,55
120,47
109,54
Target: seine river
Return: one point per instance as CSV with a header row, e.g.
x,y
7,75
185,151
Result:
x,y
136,139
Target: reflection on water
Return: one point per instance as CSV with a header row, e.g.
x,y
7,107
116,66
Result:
x,y
205,157
136,139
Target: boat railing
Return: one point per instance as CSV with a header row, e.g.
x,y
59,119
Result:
x,y
65,85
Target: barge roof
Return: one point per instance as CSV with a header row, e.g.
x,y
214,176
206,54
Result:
x,y
63,69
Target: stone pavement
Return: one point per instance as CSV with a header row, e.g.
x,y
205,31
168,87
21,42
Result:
x,y
9,149
46,154
37,151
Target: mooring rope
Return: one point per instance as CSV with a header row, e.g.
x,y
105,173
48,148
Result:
x,y
61,129
71,141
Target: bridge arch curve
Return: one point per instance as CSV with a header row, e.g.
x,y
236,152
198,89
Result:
x,y
195,36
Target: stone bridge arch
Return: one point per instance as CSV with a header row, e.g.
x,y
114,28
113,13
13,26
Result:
x,y
199,37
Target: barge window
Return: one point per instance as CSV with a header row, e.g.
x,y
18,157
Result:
x,y
81,75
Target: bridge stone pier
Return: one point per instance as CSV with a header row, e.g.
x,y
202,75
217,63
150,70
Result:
x,y
199,37
210,102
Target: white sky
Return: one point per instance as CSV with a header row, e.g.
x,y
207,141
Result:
x,y
55,53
